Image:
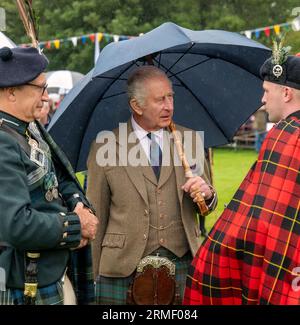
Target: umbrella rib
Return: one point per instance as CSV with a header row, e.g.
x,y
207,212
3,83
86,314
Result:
x,y
160,55
111,78
183,54
114,95
185,86
190,67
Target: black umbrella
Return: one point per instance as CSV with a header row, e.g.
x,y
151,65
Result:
x,y
215,77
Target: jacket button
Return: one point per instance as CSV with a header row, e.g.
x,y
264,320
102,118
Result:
x,y
161,241
145,236
146,212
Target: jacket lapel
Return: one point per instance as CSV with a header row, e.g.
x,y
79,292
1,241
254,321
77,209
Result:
x,y
135,173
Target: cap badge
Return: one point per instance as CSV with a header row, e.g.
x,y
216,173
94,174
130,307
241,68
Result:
x,y
277,70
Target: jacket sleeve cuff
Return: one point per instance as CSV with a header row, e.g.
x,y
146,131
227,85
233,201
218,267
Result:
x,y
71,230
78,197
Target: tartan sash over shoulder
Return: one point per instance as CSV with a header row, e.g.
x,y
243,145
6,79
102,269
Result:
x,y
252,253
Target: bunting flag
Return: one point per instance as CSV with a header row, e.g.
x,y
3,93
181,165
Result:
x,y
268,30
248,33
277,29
98,37
83,39
74,41
57,43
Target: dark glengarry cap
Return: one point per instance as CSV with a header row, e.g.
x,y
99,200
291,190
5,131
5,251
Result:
x,y
286,74
20,65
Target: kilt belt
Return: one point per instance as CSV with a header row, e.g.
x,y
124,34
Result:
x,y
154,283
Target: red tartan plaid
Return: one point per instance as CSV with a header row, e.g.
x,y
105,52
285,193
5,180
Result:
x,y
251,253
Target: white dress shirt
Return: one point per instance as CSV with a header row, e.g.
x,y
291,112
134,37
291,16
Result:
x,y
145,142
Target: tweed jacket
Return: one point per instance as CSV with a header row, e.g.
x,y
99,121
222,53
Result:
x,y
118,193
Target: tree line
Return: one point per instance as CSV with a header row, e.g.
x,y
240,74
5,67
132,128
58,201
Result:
x,y
62,19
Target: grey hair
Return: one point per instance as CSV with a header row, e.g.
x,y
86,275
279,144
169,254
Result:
x,y
136,81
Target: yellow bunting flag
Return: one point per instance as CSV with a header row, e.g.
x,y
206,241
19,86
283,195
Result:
x,y
57,43
277,29
100,36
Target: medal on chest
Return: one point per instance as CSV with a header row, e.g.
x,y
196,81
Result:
x,y
50,186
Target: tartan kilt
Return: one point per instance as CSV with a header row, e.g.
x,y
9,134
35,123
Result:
x,y
81,275
113,291
50,295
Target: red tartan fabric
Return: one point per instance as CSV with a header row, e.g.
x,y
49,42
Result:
x,y
251,253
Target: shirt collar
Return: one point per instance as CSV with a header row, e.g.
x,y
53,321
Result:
x,y
14,122
142,133
296,114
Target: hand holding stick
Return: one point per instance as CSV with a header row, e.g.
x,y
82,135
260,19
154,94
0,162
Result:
x,y
187,170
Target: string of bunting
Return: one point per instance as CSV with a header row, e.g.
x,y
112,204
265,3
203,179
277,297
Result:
x,y
84,39
277,29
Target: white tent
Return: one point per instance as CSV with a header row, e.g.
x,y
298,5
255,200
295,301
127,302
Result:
x,y
62,81
5,41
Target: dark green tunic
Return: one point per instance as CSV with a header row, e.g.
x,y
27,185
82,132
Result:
x,y
27,220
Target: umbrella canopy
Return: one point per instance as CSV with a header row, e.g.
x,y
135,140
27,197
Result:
x,y
61,81
215,77
5,41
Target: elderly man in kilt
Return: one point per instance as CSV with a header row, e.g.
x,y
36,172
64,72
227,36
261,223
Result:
x,y
45,220
252,254
148,224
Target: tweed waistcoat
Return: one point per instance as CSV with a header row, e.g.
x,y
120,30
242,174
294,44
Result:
x,y
166,228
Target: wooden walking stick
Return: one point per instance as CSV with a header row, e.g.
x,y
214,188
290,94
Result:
x,y
187,170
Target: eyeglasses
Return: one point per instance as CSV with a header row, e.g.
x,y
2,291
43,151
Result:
x,y
38,86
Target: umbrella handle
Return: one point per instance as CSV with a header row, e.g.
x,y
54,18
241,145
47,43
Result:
x,y
187,170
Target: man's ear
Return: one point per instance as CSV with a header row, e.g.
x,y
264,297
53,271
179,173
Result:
x,y
135,106
287,94
10,93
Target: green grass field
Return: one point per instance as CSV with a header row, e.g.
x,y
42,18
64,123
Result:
x,y
230,168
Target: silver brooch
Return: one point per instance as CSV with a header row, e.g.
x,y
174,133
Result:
x,y
36,154
277,70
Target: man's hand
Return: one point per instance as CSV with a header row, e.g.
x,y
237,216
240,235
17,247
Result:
x,y
83,242
195,185
89,222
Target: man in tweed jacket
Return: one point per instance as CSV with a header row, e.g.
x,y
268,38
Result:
x,y
142,213
252,254
44,215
